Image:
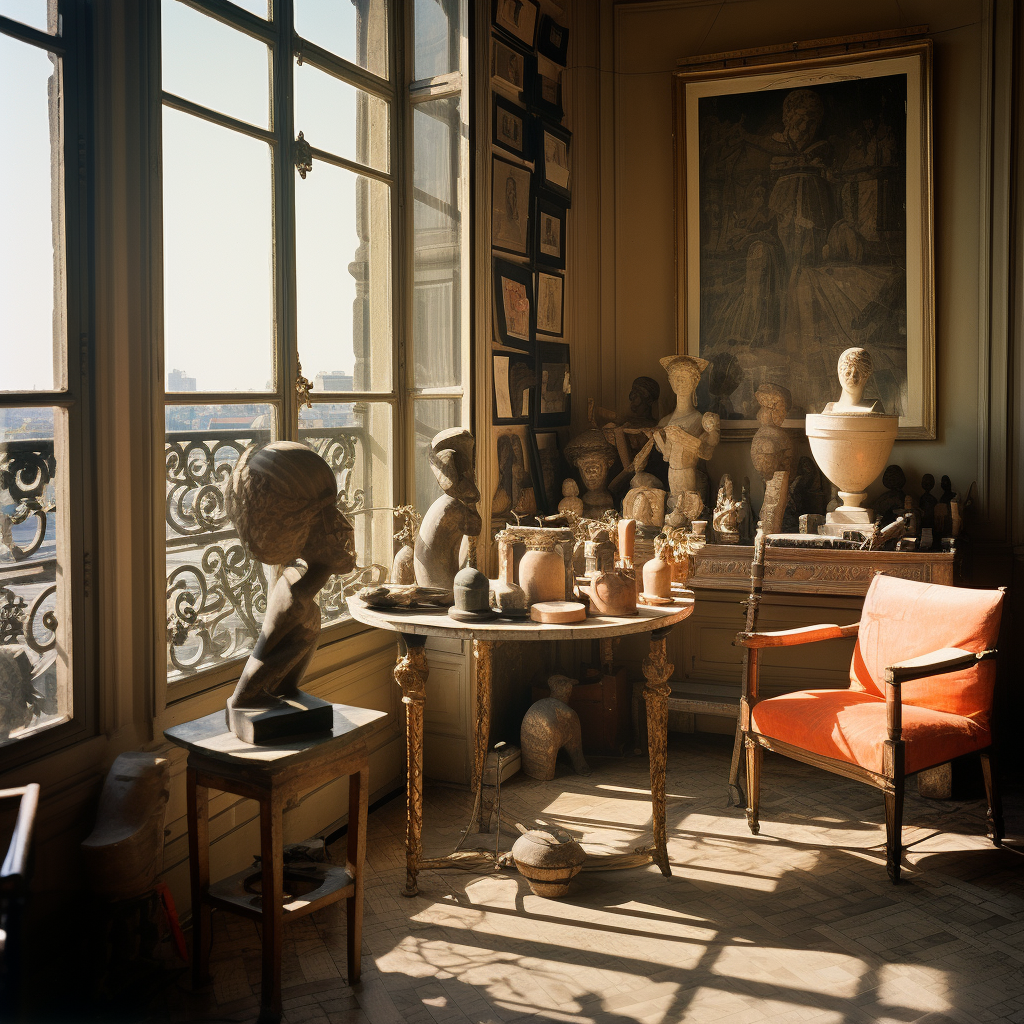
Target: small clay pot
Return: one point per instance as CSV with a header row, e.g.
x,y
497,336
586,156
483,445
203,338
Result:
x,y
548,860
657,578
542,575
613,593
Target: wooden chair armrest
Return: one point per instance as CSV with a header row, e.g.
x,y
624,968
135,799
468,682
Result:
x,y
948,659
14,873
792,637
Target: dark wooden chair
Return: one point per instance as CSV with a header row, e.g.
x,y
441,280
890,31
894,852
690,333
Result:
x,y
15,875
920,694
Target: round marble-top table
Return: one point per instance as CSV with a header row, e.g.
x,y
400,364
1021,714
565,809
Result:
x,y
411,675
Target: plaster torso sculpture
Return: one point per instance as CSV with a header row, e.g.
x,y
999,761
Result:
x,y
645,500
851,440
549,725
451,517
593,457
686,437
283,502
771,448
571,501
726,519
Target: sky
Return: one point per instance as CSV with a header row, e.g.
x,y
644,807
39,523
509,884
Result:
x,y
217,198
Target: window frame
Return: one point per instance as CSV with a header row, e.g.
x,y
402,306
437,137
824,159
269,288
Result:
x,y
72,396
400,93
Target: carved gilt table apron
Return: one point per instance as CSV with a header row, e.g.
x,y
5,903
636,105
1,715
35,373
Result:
x,y
411,675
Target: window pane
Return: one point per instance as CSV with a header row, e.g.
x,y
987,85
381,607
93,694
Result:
x,y
431,417
40,14
32,307
34,627
343,273
437,38
437,249
198,50
341,119
218,257
216,593
357,32
356,441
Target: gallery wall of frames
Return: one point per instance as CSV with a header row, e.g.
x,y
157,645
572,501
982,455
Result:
x,y
530,206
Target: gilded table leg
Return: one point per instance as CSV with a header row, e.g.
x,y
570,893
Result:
x,y
411,676
657,671
483,651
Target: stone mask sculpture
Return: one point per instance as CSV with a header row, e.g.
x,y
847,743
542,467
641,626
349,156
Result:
x,y
453,516
283,501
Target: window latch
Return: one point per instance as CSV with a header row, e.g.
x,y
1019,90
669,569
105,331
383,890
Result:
x,y
302,154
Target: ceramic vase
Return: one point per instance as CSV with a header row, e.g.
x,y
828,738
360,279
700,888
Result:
x,y
657,577
548,861
542,575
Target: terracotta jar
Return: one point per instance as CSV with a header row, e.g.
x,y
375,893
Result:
x,y
548,860
658,576
542,575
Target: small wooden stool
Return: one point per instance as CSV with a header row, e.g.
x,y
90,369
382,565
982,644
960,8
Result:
x,y
271,774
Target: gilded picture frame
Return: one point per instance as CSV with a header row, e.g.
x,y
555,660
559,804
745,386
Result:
x,y
804,227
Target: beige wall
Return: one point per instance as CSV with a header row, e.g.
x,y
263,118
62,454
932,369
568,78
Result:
x,y
638,45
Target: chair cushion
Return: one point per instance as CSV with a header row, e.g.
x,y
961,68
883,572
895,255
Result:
x,y
905,619
850,725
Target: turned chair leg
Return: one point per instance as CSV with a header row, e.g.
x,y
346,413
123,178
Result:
x,y
994,811
754,757
894,828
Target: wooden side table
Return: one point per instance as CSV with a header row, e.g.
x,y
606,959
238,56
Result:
x,y
271,775
416,625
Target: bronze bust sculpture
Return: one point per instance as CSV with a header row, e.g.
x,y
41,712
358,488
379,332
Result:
x,y
283,501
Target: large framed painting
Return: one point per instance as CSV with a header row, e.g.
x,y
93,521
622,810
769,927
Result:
x,y
804,227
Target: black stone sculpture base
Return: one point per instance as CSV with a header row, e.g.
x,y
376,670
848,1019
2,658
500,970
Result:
x,y
299,715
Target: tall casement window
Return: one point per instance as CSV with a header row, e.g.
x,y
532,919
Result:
x,y
44,351
314,226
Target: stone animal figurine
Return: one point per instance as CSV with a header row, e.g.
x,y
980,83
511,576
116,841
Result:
x,y
403,595
282,499
453,516
548,726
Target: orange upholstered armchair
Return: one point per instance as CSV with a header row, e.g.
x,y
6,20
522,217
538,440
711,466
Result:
x,y
920,694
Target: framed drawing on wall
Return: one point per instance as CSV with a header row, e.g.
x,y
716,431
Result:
x,y
510,127
510,207
554,396
508,68
553,167
518,18
513,305
513,474
549,232
553,40
514,386
804,227
549,292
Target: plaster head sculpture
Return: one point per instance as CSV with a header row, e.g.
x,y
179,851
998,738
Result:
x,y
453,516
283,501
855,369
771,448
851,439
593,458
642,396
571,501
684,375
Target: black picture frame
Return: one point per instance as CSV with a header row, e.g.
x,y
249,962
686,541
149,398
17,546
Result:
x,y
549,287
506,116
513,376
504,273
511,69
553,359
545,93
517,19
548,241
553,40
554,176
510,232
550,470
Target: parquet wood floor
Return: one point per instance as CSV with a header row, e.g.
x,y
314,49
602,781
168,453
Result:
x,y
797,924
